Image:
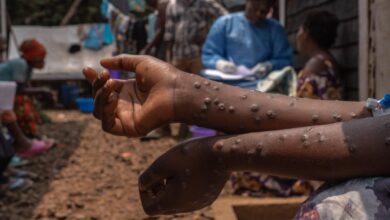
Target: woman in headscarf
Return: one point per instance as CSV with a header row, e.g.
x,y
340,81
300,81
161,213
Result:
x,y
24,120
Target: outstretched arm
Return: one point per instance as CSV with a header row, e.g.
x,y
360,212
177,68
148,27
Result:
x,y
336,151
163,94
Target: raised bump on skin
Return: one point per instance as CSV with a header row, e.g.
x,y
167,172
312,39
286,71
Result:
x,y
271,114
204,108
219,145
197,85
254,108
221,107
337,117
207,101
232,109
315,118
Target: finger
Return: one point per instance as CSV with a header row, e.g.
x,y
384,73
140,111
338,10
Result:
x,y
110,123
101,98
100,81
123,62
90,74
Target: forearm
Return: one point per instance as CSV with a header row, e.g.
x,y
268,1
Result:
x,y
329,152
235,110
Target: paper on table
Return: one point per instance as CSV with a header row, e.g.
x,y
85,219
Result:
x,y
242,72
7,95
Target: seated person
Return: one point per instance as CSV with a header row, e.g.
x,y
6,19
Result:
x,y
249,39
273,134
320,78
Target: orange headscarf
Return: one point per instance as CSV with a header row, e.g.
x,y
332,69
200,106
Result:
x,y
32,50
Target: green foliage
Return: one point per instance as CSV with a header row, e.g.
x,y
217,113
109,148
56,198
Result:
x,y
51,12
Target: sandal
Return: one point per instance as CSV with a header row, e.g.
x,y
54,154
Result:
x,y
20,173
16,161
37,147
16,184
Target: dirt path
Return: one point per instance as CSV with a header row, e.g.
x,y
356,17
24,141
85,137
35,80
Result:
x,y
86,177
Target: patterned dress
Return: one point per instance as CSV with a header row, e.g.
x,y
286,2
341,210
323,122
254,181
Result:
x,y
362,199
319,80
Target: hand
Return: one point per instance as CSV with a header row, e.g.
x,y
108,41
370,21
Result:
x,y
186,178
8,117
133,107
262,69
226,67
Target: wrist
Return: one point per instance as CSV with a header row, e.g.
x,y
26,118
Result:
x,y
187,94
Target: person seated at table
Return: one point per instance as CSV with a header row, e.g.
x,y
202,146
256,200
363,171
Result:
x,y
247,38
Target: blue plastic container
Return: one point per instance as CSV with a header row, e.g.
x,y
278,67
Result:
x,y
85,104
69,94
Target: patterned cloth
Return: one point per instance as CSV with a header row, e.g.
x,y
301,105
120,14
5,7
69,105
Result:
x,y
320,80
26,110
187,25
363,199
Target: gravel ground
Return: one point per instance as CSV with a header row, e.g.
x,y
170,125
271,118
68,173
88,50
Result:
x,y
86,176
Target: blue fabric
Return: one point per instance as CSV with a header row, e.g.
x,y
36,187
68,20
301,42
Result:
x,y
15,70
235,39
152,19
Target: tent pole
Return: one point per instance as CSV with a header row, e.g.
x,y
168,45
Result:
x,y
3,25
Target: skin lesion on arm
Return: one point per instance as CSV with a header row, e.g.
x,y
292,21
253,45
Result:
x,y
325,152
212,104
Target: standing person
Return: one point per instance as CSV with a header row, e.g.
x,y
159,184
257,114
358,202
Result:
x,y
186,28
247,38
319,78
157,40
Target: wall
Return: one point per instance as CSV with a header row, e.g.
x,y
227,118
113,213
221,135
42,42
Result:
x,y
346,48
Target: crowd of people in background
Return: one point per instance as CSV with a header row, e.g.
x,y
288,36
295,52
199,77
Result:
x,y
192,35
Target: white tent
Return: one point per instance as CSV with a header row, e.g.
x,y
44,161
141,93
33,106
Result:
x,y
60,64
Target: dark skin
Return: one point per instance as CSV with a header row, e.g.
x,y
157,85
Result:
x,y
151,100
327,152
312,139
256,10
